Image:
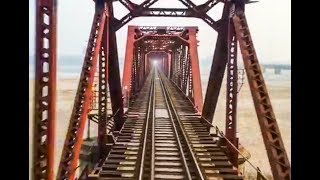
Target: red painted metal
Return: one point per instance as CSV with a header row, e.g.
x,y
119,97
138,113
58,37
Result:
x,y
218,66
191,11
103,88
45,90
176,47
113,69
102,111
128,4
73,141
146,62
276,152
169,65
128,64
193,50
231,94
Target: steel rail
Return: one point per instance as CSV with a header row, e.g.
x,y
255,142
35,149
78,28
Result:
x,y
150,105
153,132
173,114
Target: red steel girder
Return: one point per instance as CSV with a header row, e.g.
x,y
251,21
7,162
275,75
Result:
x,y
231,94
134,13
205,7
103,88
73,141
200,14
102,108
276,152
128,4
141,69
167,12
45,90
169,29
148,3
128,64
169,65
113,70
218,66
193,50
150,37
182,65
191,11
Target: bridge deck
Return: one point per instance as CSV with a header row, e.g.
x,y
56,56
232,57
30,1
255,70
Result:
x,y
164,138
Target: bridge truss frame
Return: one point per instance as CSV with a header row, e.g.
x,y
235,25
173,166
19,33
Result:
x,y
102,50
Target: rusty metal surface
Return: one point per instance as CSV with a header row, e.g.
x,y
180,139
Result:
x,y
103,86
195,67
127,67
220,59
102,107
114,72
276,152
191,10
175,49
45,90
73,141
232,92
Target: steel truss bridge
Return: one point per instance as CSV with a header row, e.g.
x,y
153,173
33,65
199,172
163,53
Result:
x,y
160,124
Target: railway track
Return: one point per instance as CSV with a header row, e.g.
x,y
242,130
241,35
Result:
x,y
212,161
162,138
168,158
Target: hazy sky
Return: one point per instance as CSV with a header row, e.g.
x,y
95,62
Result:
x,y
269,22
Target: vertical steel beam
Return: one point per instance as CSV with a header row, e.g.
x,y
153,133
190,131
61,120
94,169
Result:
x,y
276,152
190,86
73,141
176,68
173,63
141,69
187,68
218,66
128,65
189,80
103,87
179,77
196,79
231,94
102,111
163,64
169,65
134,80
45,90
146,64
114,78
139,72
183,69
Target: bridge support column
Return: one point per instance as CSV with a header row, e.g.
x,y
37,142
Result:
x,y
128,64
276,152
45,90
218,66
72,145
113,69
102,107
231,94
197,90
